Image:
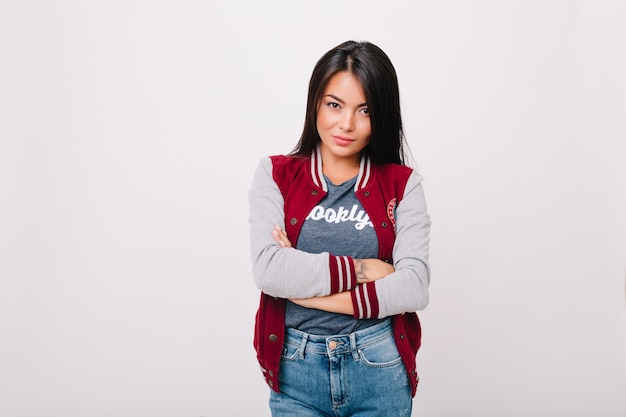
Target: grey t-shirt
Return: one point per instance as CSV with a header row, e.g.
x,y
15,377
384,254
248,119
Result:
x,y
338,225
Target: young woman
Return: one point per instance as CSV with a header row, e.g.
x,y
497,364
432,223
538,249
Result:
x,y
339,237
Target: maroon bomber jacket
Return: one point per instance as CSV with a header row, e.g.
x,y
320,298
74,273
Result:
x,y
300,182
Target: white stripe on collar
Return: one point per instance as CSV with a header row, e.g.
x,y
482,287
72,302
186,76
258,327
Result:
x,y
316,170
364,173
365,168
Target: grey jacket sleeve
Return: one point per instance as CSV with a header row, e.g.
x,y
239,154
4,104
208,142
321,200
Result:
x,y
280,272
406,289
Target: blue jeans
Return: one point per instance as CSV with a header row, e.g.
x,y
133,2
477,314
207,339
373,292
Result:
x,y
357,374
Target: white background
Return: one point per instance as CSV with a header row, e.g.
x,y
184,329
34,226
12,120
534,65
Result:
x,y
129,134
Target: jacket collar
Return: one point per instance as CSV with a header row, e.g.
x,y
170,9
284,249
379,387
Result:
x,y
365,171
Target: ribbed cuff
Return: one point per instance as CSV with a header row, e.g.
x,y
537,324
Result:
x,y
342,274
365,301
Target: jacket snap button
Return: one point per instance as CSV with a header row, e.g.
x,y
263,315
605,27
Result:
x,y
293,221
273,337
271,373
271,383
367,193
314,192
384,224
402,336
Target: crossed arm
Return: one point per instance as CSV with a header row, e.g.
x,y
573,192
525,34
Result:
x,y
367,270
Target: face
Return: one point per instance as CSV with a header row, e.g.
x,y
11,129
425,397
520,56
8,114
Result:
x,y
343,120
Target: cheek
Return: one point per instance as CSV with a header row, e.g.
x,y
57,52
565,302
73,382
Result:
x,y
366,128
318,124
324,121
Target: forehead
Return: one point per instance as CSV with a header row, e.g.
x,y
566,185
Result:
x,y
345,84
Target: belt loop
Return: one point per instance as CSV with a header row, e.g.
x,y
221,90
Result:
x,y
305,338
353,347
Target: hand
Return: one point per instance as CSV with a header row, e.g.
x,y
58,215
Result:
x,y
368,270
280,236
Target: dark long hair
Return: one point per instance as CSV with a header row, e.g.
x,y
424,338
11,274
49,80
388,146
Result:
x,y
372,67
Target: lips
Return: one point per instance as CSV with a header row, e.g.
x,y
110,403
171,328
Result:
x,y
342,140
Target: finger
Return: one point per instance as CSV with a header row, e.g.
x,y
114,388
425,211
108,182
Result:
x,y
281,237
284,238
276,234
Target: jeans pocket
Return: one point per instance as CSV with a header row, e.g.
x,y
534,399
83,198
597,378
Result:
x,y
290,352
383,354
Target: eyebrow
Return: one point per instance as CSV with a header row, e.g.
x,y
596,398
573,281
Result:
x,y
341,101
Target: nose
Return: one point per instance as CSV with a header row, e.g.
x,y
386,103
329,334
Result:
x,y
347,121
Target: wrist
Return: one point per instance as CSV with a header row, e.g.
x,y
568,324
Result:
x,y
360,270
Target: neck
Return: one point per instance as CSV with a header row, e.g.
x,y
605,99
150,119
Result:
x,y
340,170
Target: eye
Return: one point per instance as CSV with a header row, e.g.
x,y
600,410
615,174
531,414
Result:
x,y
333,105
365,111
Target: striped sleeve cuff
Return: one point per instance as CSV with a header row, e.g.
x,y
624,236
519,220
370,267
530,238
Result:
x,y
342,274
365,301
